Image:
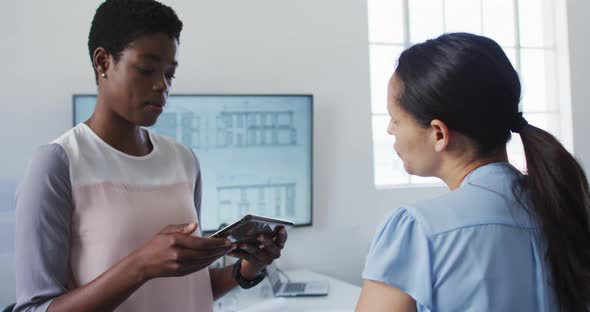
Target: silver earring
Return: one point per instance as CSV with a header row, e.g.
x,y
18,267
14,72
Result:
x,y
103,75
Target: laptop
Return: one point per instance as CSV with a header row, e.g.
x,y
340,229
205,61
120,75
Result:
x,y
292,289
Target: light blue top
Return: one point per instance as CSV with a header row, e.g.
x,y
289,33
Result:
x,y
473,249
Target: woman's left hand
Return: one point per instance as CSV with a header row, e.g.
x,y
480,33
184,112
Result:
x,y
257,256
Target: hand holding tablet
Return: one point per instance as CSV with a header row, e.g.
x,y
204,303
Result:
x,y
247,228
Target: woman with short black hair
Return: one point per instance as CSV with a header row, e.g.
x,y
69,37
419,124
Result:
x,y
109,209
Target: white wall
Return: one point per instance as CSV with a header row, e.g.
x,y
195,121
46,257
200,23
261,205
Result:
x,y
254,46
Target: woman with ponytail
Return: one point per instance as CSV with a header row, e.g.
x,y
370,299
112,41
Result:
x,y
500,240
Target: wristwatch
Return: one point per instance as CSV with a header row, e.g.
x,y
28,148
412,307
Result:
x,y
240,279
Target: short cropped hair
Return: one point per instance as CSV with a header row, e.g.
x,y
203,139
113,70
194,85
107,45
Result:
x,y
117,23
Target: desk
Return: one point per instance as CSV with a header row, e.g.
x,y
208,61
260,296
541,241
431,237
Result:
x,y
341,297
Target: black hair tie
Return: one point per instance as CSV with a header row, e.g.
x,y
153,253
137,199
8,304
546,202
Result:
x,y
518,123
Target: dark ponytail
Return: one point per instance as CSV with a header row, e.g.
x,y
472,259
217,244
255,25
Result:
x,y
558,190
467,81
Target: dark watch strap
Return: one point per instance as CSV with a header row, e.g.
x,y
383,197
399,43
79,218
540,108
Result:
x,y
240,279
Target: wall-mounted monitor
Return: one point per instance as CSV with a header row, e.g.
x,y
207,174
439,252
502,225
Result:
x,y
255,152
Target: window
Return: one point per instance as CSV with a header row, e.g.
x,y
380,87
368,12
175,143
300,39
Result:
x,y
526,30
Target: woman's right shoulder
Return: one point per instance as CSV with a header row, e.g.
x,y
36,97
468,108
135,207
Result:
x,y
46,179
48,160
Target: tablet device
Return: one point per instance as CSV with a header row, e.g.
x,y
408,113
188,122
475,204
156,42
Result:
x,y
247,228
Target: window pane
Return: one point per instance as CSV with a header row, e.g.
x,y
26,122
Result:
x,y
535,26
426,19
498,21
516,152
547,122
462,16
386,22
534,76
388,168
383,59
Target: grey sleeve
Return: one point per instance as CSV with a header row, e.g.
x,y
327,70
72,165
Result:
x,y
198,190
43,223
